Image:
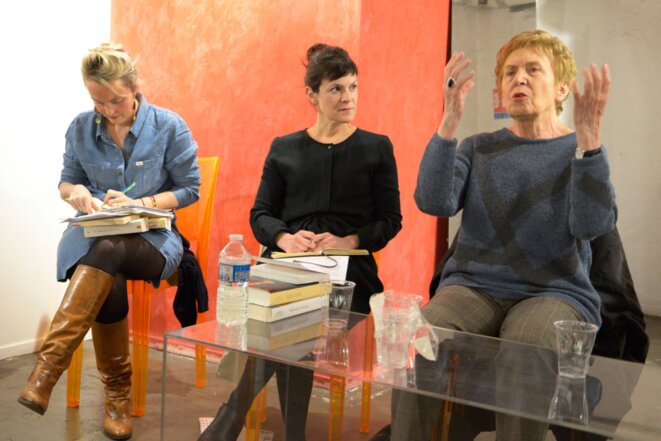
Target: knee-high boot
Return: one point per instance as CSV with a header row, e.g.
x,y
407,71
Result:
x,y
111,346
82,301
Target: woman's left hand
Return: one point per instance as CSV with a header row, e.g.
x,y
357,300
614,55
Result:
x,y
589,106
325,241
116,198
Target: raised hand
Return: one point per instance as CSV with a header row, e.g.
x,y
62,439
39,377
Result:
x,y
589,106
455,89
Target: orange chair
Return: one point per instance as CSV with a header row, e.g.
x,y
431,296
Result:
x,y
194,222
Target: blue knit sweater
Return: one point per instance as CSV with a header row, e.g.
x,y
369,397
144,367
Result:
x,y
529,211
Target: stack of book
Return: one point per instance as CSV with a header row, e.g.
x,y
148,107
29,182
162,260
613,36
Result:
x,y
279,290
123,220
266,336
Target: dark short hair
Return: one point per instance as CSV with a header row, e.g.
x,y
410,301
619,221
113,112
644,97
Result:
x,y
327,63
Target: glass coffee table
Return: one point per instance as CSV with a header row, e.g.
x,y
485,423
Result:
x,y
475,375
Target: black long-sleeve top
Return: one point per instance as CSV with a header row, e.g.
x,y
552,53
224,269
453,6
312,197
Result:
x,y
345,188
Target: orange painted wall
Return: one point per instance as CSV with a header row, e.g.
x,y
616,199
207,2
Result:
x,y
402,54
233,70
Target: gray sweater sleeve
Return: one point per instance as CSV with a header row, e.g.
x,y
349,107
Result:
x,y
443,176
592,198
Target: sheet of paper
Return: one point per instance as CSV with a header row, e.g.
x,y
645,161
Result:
x,y
334,266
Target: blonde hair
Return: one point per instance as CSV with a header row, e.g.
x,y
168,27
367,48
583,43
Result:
x,y
109,62
562,59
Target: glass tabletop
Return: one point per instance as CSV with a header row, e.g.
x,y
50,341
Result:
x,y
617,399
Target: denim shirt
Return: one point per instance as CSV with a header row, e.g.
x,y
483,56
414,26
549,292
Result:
x,y
159,155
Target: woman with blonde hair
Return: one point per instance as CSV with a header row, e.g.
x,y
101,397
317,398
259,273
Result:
x,y
124,152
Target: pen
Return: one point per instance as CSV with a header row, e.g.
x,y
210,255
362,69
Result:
x,y
129,187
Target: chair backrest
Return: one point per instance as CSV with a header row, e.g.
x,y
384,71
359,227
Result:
x,y
194,221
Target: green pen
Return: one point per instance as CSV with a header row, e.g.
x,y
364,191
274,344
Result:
x,y
128,188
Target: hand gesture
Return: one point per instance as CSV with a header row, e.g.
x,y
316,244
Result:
x,y
115,198
589,106
455,90
80,199
325,241
294,243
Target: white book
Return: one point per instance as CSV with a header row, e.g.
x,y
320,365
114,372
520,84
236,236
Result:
x,y
297,276
266,343
266,329
156,223
126,210
279,312
135,226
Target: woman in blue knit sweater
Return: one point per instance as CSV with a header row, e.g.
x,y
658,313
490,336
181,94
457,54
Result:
x,y
532,195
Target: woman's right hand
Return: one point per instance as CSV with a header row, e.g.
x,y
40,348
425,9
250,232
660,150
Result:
x,y
455,96
80,199
301,241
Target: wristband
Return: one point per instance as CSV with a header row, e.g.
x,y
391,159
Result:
x,y
580,153
153,201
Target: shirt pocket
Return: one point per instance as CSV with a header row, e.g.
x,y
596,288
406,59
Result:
x,y
102,176
148,174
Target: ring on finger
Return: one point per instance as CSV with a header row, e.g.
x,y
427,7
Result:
x,y
451,83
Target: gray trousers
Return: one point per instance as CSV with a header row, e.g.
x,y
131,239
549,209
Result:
x,y
467,309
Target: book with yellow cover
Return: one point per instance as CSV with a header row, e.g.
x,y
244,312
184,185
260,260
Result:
x,y
327,252
268,292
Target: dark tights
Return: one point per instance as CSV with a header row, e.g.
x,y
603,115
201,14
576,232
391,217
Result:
x,y
294,389
294,399
124,257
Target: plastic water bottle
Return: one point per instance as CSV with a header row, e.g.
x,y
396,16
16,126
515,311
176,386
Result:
x,y
233,276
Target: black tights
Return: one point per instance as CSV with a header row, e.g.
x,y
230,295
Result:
x,y
294,390
124,257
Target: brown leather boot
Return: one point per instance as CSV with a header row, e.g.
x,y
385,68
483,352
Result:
x,y
82,301
111,346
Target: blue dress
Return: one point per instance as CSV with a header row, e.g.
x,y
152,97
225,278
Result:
x,y
159,155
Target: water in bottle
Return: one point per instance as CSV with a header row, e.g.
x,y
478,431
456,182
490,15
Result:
x,y
233,276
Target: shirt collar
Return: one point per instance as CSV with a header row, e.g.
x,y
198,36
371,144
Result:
x,y
141,116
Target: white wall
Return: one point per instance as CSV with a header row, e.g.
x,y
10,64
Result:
x,y
624,34
41,91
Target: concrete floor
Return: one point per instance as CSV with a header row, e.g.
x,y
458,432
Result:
x,y
184,403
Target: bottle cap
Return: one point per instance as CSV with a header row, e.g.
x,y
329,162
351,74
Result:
x,y
236,237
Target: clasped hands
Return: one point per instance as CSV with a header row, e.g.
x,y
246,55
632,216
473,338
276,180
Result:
x,y
303,241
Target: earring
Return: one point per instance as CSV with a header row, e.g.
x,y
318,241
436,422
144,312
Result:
x,y
135,108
